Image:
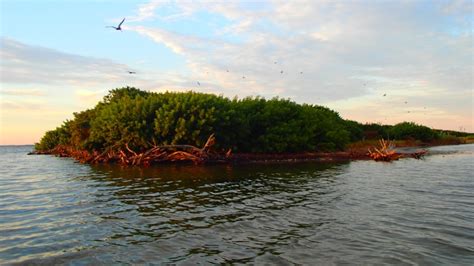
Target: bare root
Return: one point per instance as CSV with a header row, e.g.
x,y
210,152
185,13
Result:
x,y
157,154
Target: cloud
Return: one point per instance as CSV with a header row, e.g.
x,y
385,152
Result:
x,y
21,105
464,7
23,92
86,78
89,97
349,52
26,64
146,11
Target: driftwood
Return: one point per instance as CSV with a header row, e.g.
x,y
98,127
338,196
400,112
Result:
x,y
386,152
125,155
157,154
418,154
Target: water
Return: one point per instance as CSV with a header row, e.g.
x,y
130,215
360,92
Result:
x,y
56,211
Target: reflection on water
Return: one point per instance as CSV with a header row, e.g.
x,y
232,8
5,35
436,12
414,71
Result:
x,y
53,210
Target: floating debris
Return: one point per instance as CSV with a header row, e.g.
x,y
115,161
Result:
x,y
385,152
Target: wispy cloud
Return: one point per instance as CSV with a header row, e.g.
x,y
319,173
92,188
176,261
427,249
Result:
x,y
89,95
345,54
84,78
23,92
457,7
26,64
146,11
349,52
21,105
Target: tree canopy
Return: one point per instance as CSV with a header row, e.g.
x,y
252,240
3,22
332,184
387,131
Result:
x,y
141,120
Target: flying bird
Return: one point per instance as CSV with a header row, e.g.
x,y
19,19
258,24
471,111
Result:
x,y
384,94
199,84
132,72
119,27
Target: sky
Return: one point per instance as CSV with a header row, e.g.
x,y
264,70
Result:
x,y
371,61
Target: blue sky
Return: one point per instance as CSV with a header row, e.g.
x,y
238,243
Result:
x,y
58,57
78,28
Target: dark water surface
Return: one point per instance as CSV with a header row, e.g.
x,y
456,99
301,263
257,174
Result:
x,y
56,211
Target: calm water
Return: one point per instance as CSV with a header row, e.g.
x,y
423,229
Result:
x,y
56,211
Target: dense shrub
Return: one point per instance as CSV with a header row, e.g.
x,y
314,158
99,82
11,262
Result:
x,y
410,130
143,119
376,131
60,136
355,129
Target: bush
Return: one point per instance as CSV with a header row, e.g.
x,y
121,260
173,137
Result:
x,y
410,130
375,131
139,119
253,124
60,136
355,130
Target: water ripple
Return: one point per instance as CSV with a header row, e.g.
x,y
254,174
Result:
x,y
55,211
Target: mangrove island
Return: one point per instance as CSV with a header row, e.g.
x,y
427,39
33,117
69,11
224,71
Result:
x,y
135,127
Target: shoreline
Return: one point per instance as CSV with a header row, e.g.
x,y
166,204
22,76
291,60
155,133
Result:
x,y
355,151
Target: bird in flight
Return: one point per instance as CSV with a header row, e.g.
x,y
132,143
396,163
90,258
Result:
x,y
384,94
119,27
199,84
131,72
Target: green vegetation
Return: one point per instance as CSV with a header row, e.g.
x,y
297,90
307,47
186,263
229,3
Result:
x,y
60,136
140,119
409,130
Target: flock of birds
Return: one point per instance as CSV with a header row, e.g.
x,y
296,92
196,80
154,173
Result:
x,y
244,77
119,28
